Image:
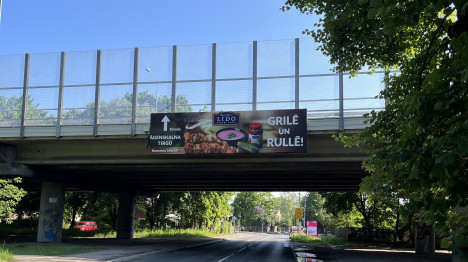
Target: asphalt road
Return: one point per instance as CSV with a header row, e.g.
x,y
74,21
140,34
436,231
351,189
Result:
x,y
248,247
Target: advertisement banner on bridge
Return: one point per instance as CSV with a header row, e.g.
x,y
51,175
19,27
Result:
x,y
238,132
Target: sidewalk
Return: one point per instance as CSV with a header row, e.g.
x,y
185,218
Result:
x,y
123,250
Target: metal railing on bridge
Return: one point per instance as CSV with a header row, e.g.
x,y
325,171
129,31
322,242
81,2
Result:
x,y
123,87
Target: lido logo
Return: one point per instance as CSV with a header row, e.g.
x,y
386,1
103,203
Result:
x,y
226,118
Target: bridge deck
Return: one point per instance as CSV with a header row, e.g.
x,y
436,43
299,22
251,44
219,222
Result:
x,y
116,161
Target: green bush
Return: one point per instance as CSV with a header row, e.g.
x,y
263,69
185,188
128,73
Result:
x,y
302,238
226,228
330,239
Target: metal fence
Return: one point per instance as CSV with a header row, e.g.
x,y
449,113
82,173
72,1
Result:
x,y
125,86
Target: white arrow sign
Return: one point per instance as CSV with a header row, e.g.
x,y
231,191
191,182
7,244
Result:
x,y
165,120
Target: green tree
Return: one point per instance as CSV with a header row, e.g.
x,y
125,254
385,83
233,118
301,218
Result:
x,y
98,206
156,208
10,109
285,204
204,209
314,205
28,205
249,206
417,146
122,106
75,203
373,212
196,209
10,195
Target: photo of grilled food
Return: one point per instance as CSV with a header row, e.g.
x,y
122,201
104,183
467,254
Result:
x,y
200,143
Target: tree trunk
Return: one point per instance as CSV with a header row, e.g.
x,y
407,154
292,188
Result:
x,y
74,211
361,207
411,229
113,215
396,228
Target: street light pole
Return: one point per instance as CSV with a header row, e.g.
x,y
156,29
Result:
x,y
151,73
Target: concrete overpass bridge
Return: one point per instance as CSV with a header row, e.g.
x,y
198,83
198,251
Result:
x,y
81,120
116,163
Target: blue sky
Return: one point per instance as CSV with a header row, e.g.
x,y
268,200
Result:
x,y
51,26
69,25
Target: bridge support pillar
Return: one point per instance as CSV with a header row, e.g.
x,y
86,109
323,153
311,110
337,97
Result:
x,y
51,213
425,239
126,216
459,257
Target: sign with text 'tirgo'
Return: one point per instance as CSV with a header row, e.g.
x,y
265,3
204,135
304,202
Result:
x,y
234,132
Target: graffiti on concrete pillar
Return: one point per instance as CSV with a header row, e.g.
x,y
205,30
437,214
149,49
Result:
x,y
51,235
52,223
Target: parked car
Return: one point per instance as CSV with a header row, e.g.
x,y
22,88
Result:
x,y
86,225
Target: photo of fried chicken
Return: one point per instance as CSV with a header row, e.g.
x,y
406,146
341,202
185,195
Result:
x,y
200,143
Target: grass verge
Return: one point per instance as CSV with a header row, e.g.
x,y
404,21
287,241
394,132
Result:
x,y
324,239
146,233
330,239
302,238
175,233
47,249
6,254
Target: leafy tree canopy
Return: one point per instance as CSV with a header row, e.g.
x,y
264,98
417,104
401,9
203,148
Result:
x,y
10,195
417,146
249,207
315,210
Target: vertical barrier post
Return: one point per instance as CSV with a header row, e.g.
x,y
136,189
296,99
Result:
x,y
24,106
60,95
254,76
341,124
296,73
135,90
97,94
213,77
174,79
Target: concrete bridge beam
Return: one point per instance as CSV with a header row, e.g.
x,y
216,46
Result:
x,y
51,213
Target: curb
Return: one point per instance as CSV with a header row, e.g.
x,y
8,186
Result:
x,y
292,249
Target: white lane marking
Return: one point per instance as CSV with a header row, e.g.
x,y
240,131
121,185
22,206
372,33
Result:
x,y
226,258
240,250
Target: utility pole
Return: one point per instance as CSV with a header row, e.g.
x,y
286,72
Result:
x,y
298,225
304,216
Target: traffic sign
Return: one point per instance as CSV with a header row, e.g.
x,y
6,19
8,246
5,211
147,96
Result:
x,y
298,214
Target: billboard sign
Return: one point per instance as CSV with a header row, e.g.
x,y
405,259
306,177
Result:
x,y
312,228
242,132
